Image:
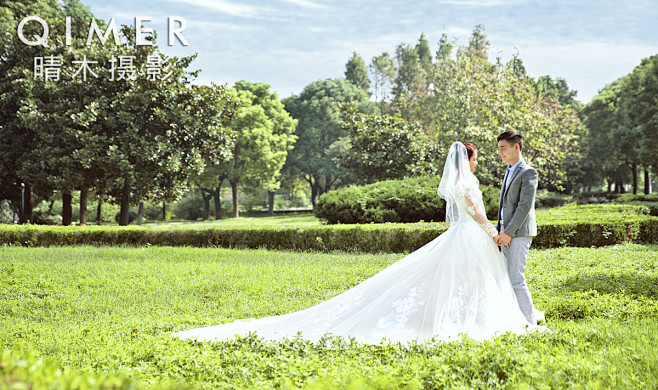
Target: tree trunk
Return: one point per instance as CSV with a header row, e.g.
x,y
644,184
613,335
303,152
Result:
x,y
270,202
140,213
84,192
234,188
634,170
609,186
26,204
67,208
164,211
313,182
98,210
206,195
647,181
124,216
218,202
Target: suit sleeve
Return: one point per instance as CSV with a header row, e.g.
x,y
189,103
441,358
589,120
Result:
x,y
526,200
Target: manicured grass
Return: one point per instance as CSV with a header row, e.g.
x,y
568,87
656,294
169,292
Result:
x,y
109,312
301,219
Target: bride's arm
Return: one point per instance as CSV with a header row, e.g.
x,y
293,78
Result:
x,y
479,215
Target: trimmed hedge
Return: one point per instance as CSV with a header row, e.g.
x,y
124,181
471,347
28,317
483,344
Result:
x,y
371,238
408,200
649,201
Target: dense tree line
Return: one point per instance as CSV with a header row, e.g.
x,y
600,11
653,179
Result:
x,y
623,128
129,139
459,94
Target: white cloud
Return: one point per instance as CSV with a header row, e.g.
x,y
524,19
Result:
x,y
587,66
474,3
229,8
307,4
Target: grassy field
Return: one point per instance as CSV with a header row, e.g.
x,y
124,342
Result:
x,y
110,311
301,219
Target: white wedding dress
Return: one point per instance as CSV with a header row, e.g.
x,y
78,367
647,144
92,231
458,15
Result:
x,y
455,284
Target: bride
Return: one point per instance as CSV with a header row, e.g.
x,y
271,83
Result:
x,y
455,284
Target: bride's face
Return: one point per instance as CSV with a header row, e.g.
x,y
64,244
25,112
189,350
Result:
x,y
473,162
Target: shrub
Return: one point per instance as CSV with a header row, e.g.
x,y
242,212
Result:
x,y
408,200
650,201
189,207
547,199
42,215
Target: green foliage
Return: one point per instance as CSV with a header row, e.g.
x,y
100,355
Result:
x,y
459,95
319,129
265,136
408,200
591,225
102,318
356,72
622,124
385,147
20,369
189,207
650,201
132,139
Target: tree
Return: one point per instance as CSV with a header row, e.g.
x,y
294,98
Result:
x,y
383,74
16,59
318,128
559,89
474,100
265,135
356,73
384,147
134,138
601,118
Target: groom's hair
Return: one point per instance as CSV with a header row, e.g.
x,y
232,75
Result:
x,y
513,137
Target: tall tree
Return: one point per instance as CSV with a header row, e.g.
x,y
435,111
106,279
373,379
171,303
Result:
x,y
383,74
265,136
318,128
356,72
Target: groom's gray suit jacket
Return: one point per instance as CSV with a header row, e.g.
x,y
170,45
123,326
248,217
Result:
x,y
517,204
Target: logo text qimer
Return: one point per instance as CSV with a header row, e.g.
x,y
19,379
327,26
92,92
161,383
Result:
x,y
174,31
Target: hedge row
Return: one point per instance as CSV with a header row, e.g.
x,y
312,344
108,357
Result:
x,y
371,238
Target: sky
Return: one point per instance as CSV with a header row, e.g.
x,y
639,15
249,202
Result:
x,y
291,43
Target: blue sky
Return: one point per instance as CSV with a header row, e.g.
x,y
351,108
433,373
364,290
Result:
x,y
291,43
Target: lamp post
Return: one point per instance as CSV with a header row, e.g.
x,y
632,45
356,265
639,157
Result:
x,y
23,201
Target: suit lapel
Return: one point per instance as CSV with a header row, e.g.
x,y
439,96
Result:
x,y
511,179
502,190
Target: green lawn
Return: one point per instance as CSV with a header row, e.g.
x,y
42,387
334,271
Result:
x,y
301,219
111,310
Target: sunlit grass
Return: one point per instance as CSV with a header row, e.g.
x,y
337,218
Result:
x,y
112,310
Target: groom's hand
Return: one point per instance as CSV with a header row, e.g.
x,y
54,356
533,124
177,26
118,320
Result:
x,y
504,239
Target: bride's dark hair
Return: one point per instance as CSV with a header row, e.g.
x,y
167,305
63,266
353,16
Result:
x,y
470,149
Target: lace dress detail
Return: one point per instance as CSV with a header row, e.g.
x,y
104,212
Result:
x,y
470,203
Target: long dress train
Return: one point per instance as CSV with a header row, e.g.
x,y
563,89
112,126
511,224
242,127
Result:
x,y
456,283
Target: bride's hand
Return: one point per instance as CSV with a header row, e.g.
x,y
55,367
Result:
x,y
504,239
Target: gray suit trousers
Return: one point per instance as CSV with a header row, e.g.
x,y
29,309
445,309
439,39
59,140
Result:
x,y
515,258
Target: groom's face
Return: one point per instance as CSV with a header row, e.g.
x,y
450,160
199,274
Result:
x,y
507,152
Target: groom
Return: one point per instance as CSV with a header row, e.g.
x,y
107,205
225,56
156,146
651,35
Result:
x,y
516,217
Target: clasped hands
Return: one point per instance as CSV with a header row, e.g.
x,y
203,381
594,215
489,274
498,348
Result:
x,y
502,239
